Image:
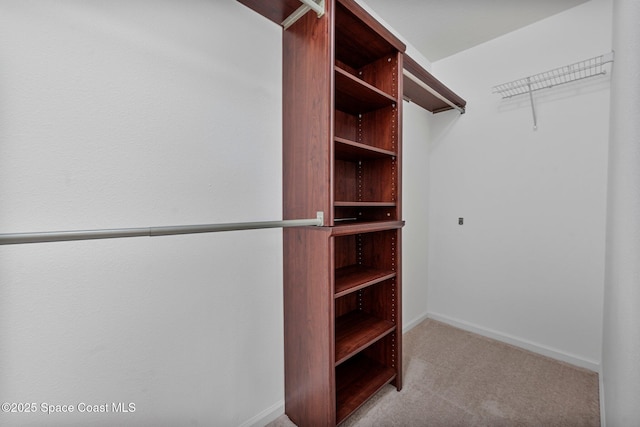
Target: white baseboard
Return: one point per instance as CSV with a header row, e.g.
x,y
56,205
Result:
x,y
517,342
408,326
266,416
603,419
274,411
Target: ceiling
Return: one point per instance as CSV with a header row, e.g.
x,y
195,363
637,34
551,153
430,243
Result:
x,y
440,28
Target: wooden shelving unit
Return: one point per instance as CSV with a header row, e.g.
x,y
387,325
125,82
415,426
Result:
x,y
366,166
342,155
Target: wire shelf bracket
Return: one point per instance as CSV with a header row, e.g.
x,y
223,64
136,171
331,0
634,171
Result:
x,y
307,5
587,68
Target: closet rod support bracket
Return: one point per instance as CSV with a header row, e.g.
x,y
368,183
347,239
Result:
x,y
306,6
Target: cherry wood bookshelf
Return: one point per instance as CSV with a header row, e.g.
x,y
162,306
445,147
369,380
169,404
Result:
x,y
343,88
342,109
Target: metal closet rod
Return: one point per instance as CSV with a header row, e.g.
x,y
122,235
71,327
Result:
x,y
63,236
432,91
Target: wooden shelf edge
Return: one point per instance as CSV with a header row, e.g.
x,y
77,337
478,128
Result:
x,y
275,11
355,96
364,85
343,203
364,227
356,331
421,97
355,277
365,150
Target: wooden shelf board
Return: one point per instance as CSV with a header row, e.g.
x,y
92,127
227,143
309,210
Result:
x,y
275,11
357,227
356,331
356,96
421,97
356,381
342,203
351,278
352,150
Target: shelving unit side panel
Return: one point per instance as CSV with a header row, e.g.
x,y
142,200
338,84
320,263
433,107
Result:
x,y
378,180
377,300
345,180
345,251
379,128
382,74
380,250
309,326
346,125
346,304
307,117
400,89
397,335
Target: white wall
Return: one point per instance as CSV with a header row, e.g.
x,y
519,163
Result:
x,y
127,114
415,135
527,266
135,114
621,338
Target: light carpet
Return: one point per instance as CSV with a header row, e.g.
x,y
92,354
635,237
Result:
x,y
457,378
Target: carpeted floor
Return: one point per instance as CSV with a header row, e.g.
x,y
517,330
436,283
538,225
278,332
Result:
x,y
456,378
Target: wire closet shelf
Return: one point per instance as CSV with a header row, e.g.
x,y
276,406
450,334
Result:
x,y
581,70
569,73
